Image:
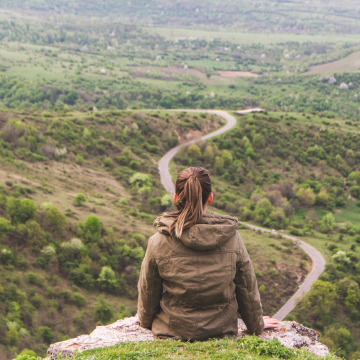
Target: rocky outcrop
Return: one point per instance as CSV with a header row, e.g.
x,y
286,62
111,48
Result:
x,y
289,333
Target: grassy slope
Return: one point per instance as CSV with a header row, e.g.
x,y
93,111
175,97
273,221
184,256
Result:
x,y
58,181
249,348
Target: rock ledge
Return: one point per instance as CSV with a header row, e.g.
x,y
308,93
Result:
x,y
289,333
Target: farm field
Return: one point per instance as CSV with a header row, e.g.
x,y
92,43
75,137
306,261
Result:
x,y
349,64
246,38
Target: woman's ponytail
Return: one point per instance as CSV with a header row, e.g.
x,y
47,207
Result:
x,y
193,188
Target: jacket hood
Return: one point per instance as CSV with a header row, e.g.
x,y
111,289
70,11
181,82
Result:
x,y
212,231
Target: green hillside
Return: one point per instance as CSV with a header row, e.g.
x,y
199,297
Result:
x,y
79,194
79,182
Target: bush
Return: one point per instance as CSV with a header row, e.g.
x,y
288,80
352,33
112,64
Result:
x,y
27,210
108,162
107,278
45,333
92,226
78,299
12,337
81,277
32,278
296,232
103,311
5,226
80,199
55,219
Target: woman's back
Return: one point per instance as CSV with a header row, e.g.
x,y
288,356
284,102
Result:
x,y
201,281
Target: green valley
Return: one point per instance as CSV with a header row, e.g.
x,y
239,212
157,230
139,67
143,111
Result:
x,y
89,93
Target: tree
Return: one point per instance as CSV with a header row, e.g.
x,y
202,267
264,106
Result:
x,y
323,197
141,183
193,151
226,155
321,297
13,209
208,154
12,337
219,164
5,226
103,311
71,97
107,278
262,210
355,191
92,225
46,334
306,196
355,176
80,199
27,210
327,223
258,140
55,219
35,234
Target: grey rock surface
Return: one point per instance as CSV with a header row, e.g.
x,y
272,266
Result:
x,y
289,333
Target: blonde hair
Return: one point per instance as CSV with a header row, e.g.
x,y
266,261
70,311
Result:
x,y
193,188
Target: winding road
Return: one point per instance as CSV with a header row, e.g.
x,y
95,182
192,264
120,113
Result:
x,y
315,255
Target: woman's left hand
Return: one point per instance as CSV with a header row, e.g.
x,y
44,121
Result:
x,y
270,323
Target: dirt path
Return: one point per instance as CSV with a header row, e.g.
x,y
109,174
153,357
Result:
x,y
315,255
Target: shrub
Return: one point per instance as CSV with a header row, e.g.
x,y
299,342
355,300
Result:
x,y
66,295
12,337
355,191
45,333
123,201
79,160
327,223
107,278
306,196
341,257
296,232
92,226
32,278
27,210
108,162
55,219
13,209
273,272
193,151
78,299
80,199
103,311
81,277
166,201
141,183
5,226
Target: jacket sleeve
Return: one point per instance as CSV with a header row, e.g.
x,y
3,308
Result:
x,y
150,288
247,293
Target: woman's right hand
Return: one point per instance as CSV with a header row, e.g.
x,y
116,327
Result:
x,y
270,323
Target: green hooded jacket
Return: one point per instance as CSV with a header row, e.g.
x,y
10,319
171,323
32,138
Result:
x,y
193,288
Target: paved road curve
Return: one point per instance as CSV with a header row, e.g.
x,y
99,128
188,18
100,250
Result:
x,y
317,258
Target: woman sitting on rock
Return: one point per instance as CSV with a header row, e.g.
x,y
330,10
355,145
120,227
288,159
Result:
x,y
197,276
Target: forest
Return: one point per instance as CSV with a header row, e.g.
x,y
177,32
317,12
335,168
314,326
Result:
x,y
79,151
